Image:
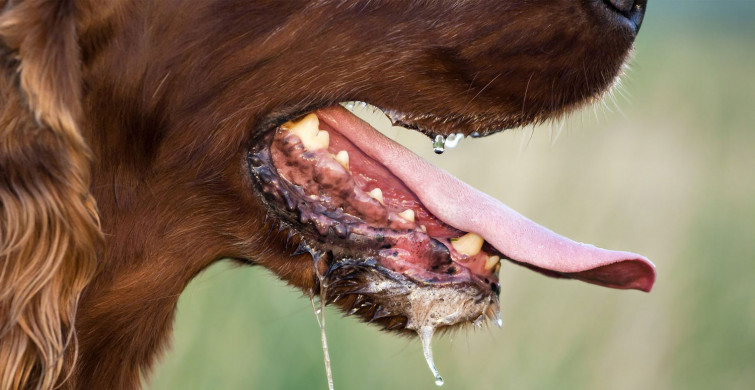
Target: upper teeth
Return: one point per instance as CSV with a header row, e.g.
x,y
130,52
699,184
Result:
x,y
377,194
308,130
469,244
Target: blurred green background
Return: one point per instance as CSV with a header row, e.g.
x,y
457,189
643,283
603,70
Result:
x,y
666,169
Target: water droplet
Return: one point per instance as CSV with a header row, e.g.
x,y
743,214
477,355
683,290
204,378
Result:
x,y
438,144
478,322
426,335
498,320
453,140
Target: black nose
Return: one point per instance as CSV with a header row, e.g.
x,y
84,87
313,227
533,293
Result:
x,y
623,6
634,10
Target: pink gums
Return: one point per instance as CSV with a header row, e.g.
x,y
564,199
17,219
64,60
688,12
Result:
x,y
324,180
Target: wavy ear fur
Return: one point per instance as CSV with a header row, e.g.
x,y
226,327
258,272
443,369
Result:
x,y
49,229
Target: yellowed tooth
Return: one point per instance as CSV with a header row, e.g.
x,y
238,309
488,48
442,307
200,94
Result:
x,y
497,268
308,130
468,244
407,214
343,158
492,262
423,228
377,194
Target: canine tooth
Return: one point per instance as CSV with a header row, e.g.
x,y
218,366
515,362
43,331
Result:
x,y
343,158
308,130
323,140
377,193
423,228
468,244
491,262
407,214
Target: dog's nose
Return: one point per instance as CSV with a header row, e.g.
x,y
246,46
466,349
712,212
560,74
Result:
x,y
623,6
634,10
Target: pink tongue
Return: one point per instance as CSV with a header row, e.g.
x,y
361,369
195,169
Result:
x,y
467,209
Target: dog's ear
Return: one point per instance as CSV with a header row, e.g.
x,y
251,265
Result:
x,y
49,229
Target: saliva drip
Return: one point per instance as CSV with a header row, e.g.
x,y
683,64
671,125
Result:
x,y
320,317
452,140
439,144
426,335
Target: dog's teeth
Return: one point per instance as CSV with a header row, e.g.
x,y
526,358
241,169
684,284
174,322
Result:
x,y
308,130
377,194
492,262
407,214
343,158
322,140
469,244
438,144
423,228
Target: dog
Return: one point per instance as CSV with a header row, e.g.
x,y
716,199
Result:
x,y
142,141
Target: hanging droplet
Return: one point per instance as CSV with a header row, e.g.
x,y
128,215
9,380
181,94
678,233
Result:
x,y
478,322
498,320
438,144
453,140
426,335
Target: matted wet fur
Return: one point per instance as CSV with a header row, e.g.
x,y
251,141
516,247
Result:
x,y
148,107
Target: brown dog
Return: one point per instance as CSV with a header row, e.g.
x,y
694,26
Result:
x,y
141,141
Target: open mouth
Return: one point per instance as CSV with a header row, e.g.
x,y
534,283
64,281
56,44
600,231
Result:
x,y
400,242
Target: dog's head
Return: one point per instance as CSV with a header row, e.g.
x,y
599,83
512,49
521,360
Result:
x,y
394,240
217,131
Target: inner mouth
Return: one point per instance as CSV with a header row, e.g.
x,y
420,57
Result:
x,y
405,244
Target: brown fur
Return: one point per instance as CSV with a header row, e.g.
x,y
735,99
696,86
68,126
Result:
x,y
168,94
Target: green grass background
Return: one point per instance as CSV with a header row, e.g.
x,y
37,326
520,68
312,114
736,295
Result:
x,y
666,169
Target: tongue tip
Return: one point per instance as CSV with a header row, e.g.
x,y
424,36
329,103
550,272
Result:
x,y
632,273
